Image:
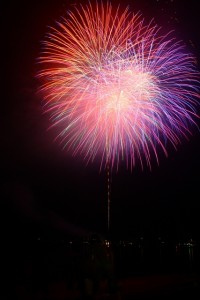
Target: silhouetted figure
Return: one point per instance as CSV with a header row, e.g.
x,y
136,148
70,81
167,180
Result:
x,y
98,269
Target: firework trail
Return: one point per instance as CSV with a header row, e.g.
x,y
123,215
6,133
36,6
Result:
x,y
118,89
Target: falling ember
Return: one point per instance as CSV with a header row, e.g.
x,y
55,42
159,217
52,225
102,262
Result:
x,y
118,88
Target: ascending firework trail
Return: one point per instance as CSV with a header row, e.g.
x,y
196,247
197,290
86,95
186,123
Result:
x,y
117,88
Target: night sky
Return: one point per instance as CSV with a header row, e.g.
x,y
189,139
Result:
x,y
45,191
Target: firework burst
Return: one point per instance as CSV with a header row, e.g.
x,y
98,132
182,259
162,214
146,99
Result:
x,y
118,88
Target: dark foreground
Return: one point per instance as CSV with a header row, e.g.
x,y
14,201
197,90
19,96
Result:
x,y
92,272
157,286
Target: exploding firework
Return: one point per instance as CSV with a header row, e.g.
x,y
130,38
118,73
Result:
x,y
118,89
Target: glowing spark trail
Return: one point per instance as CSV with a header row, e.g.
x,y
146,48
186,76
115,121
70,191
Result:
x,y
118,88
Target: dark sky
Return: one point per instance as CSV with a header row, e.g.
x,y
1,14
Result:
x,y
44,190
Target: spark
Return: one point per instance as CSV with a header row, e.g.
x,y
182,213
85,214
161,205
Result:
x,y
119,89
